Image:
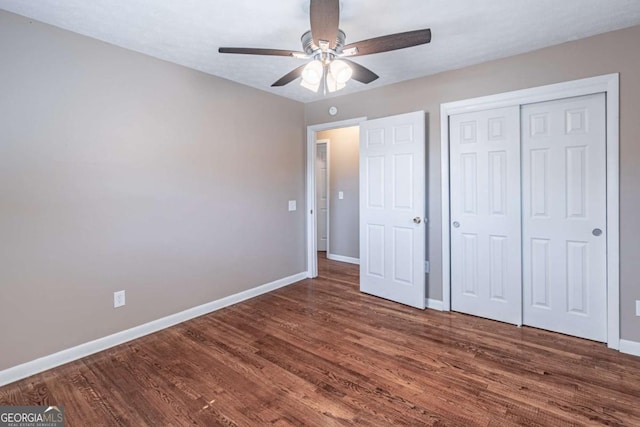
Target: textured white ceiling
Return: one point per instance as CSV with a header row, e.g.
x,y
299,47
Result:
x,y
465,32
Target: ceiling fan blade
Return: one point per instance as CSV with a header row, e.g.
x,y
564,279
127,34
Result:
x,y
290,76
325,18
388,43
360,73
270,52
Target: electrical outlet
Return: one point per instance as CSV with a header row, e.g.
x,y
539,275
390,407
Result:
x,y
118,299
292,205
638,307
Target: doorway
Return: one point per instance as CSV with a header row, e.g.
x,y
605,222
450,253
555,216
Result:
x,y
556,167
390,187
342,166
317,135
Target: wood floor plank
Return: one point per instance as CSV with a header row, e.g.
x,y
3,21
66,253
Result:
x,y
321,353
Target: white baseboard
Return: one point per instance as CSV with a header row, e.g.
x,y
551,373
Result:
x,y
434,304
630,347
74,353
343,258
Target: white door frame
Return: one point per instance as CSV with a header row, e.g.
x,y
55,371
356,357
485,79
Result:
x,y
312,244
328,180
609,84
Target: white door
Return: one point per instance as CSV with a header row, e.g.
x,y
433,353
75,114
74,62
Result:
x,y
485,214
392,208
322,190
564,216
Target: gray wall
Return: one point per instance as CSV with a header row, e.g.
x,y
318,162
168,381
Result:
x,y
608,53
120,171
343,176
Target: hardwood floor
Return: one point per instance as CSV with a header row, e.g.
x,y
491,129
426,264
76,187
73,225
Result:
x,y
320,353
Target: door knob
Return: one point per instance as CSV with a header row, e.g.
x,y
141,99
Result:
x,y
456,224
417,220
597,232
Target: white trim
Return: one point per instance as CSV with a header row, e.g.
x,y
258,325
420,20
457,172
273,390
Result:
x,y
613,211
434,304
608,84
569,89
341,258
312,247
630,347
445,227
74,353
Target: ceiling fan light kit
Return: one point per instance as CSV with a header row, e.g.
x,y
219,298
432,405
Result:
x,y
325,45
312,73
333,76
332,84
340,71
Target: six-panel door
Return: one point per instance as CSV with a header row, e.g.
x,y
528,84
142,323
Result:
x,y
392,208
485,214
564,216
322,193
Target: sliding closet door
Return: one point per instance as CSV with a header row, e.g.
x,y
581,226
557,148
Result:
x,y
486,277
564,216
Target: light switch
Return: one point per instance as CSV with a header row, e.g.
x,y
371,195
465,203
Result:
x,y
292,205
637,307
340,195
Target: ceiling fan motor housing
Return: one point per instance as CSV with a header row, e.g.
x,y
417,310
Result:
x,y
311,49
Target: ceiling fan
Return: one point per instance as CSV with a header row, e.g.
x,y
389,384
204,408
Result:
x,y
324,45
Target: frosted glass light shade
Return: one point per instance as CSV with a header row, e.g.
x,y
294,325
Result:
x,y
340,70
311,87
332,84
312,73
